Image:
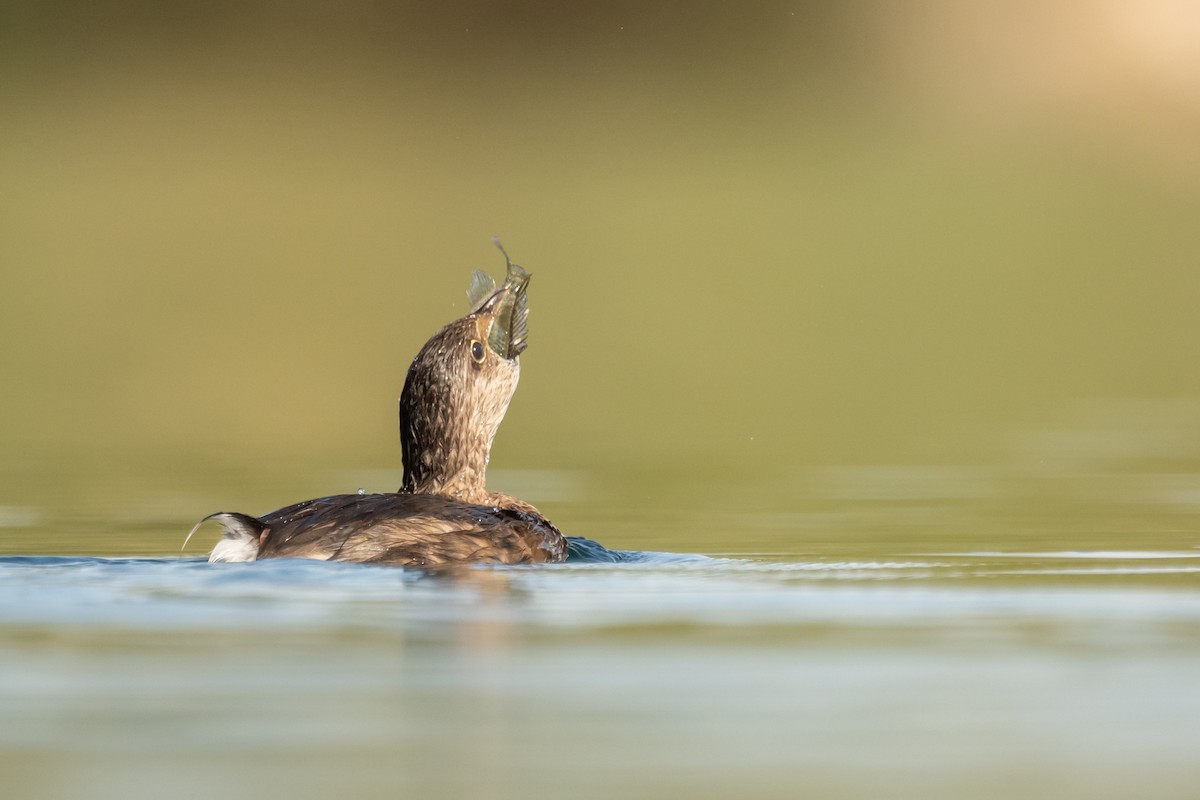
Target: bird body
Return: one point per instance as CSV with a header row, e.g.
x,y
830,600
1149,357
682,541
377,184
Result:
x,y
411,530
456,393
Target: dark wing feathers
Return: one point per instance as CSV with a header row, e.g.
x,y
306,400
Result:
x,y
408,529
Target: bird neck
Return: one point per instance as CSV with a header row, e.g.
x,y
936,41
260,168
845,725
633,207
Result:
x,y
453,469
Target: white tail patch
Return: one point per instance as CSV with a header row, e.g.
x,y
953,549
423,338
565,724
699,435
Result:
x,y
239,541
236,549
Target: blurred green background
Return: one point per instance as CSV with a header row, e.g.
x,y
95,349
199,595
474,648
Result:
x,y
789,259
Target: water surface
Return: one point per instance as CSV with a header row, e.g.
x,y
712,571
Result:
x,y
918,675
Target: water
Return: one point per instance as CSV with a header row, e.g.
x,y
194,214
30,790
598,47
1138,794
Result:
x,y
1028,626
943,675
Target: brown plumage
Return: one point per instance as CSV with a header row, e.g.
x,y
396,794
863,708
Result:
x,y
455,396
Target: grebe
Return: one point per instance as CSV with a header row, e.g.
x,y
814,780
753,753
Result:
x,y
455,396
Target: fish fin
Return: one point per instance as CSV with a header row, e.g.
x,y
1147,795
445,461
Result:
x,y
482,287
500,247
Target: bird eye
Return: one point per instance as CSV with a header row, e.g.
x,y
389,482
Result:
x,y
477,352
